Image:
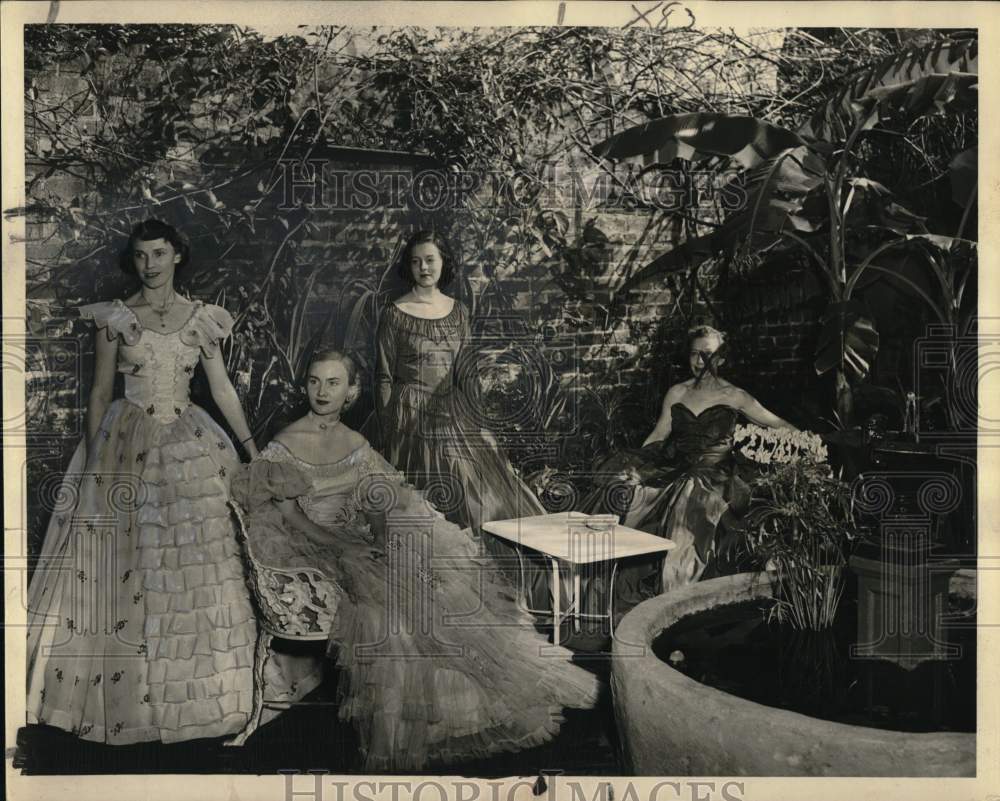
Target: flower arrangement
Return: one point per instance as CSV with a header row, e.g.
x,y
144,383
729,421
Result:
x,y
778,445
799,524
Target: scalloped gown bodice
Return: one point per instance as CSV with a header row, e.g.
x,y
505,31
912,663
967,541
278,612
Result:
x,y
158,371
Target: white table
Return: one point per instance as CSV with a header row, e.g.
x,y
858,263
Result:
x,y
577,540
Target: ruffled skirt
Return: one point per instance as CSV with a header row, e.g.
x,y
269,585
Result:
x,y
140,623
438,663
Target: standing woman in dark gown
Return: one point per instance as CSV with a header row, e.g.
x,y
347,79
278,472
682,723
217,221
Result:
x,y
423,410
686,482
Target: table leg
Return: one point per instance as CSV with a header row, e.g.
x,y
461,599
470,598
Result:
x,y
611,599
577,600
525,602
556,601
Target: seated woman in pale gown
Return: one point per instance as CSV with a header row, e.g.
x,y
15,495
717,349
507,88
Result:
x,y
686,483
438,664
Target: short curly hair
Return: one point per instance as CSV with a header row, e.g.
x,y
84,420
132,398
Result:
x,y
712,362
449,264
700,331
350,365
146,231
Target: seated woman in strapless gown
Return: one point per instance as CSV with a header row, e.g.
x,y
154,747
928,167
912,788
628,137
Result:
x,y
438,663
686,482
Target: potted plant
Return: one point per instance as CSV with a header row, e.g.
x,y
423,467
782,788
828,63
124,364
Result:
x,y
799,525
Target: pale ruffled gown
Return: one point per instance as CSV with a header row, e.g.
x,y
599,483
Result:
x,y
438,664
140,623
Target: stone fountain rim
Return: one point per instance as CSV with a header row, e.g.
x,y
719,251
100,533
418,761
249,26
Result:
x,y
654,615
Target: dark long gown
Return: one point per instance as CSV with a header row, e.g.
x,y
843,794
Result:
x,y
692,490
431,433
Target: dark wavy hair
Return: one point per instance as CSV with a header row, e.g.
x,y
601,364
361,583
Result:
x,y
449,264
146,231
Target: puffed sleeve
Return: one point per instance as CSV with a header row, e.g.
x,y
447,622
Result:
x,y
115,318
386,356
382,490
376,464
208,326
269,477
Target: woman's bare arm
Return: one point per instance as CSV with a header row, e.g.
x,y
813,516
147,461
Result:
x,y
756,413
385,363
296,518
106,353
228,401
663,426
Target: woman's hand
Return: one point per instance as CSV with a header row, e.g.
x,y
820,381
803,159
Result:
x,y
377,521
629,476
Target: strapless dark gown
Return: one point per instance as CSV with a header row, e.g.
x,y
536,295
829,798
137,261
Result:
x,y
692,490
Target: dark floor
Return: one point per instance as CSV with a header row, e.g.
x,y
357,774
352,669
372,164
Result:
x,y
310,737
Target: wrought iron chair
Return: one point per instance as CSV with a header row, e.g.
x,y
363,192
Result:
x,y
293,603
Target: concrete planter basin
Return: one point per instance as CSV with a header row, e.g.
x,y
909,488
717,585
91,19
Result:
x,y
671,725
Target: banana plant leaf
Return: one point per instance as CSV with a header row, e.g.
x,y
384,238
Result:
x,y
762,215
930,95
896,218
891,80
681,257
946,244
797,171
848,340
746,141
920,81
952,261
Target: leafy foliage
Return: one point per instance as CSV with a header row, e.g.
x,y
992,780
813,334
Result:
x,y
807,187
191,124
800,526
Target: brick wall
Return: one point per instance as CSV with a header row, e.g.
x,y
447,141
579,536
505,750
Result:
x,y
563,307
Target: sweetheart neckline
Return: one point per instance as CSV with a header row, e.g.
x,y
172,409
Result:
x,y
707,408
